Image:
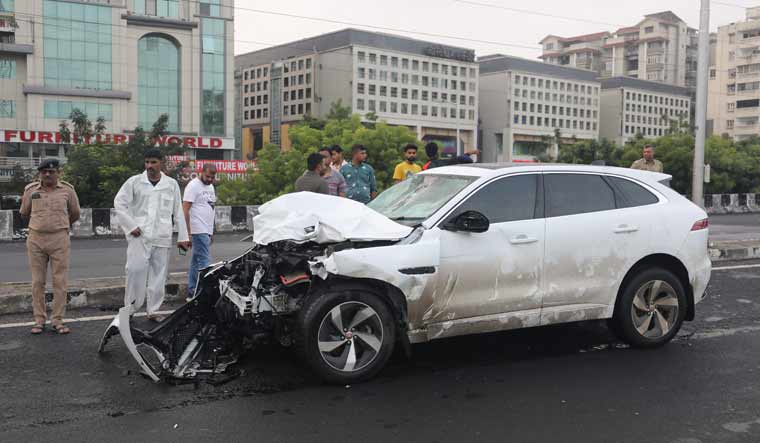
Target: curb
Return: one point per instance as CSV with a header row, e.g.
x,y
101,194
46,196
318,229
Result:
x,y
16,298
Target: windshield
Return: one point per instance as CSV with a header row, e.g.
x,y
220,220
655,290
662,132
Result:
x,y
418,197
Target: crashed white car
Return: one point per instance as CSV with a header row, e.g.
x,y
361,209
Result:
x,y
451,251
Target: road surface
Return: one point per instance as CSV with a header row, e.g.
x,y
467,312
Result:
x,y
555,384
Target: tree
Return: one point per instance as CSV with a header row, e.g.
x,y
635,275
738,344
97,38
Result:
x,y
278,170
97,170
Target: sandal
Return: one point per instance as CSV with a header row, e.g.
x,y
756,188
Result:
x,y
38,329
62,329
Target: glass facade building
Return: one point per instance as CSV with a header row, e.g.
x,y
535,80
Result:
x,y
213,76
6,6
77,45
158,81
61,109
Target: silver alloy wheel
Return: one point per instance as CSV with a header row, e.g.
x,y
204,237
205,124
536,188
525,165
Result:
x,y
350,336
655,309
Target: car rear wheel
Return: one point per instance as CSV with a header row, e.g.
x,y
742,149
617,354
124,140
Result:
x,y
651,308
346,336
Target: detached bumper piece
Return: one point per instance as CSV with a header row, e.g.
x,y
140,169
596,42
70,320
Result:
x,y
184,348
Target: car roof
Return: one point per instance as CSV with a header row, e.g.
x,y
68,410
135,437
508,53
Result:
x,y
488,170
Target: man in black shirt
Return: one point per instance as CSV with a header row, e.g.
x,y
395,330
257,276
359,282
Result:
x,y
431,149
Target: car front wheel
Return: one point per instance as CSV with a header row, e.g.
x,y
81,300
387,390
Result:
x,y
347,336
651,309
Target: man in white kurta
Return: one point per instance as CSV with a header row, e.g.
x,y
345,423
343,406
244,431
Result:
x,y
146,207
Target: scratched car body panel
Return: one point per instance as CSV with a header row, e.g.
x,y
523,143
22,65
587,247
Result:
x,y
451,251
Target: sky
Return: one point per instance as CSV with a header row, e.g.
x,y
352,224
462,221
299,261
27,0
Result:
x,y
471,24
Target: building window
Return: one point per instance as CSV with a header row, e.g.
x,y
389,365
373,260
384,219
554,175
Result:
x,y
361,72
373,58
7,109
360,104
384,60
77,45
7,67
212,76
159,8
211,8
394,62
158,81
361,56
731,107
404,63
383,106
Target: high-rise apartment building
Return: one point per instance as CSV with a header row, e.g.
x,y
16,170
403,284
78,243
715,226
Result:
x,y
631,107
428,87
128,61
525,104
661,48
733,104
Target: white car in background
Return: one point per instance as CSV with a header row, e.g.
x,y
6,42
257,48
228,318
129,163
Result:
x,y
451,251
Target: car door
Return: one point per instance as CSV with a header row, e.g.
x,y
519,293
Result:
x,y
498,271
591,242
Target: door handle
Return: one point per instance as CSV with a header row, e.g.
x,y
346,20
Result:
x,y
522,239
625,229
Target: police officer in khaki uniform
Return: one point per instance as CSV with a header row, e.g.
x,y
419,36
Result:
x,y
52,206
648,163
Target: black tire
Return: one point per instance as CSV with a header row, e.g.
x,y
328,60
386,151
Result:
x,y
660,308
317,313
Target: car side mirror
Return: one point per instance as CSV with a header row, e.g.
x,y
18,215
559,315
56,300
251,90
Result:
x,y
468,221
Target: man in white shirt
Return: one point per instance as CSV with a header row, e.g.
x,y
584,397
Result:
x,y
146,207
198,204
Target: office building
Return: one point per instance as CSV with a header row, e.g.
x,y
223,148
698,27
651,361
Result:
x,y
428,87
631,107
525,104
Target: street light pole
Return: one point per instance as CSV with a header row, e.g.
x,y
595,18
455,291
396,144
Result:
x,y
697,184
459,152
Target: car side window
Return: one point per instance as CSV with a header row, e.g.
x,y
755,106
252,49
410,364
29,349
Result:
x,y
569,194
505,200
631,194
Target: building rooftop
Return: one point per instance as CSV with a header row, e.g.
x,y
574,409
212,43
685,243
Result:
x,y
500,63
667,16
349,37
629,82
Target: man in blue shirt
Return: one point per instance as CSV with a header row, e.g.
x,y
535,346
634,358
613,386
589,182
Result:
x,y
360,177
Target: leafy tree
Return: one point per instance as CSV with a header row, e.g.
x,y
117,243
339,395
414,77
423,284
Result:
x,y
277,171
98,170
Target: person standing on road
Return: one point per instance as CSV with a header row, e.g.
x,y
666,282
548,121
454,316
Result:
x,y
146,207
51,206
336,184
337,158
408,167
360,176
198,206
311,180
648,163
431,149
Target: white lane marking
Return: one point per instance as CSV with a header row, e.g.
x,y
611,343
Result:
x,y
728,268
79,320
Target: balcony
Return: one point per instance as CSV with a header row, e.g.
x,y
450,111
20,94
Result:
x,y
747,112
748,129
8,22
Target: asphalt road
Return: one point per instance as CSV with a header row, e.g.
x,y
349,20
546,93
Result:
x,y
106,257
554,384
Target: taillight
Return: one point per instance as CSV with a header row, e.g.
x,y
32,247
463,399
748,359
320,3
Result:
x,y
700,225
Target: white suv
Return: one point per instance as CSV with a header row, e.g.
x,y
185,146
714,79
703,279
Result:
x,y
451,251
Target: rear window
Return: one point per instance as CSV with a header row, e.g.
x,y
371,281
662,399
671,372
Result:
x,y
631,194
570,194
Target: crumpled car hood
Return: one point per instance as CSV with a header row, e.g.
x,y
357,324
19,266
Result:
x,y
309,217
